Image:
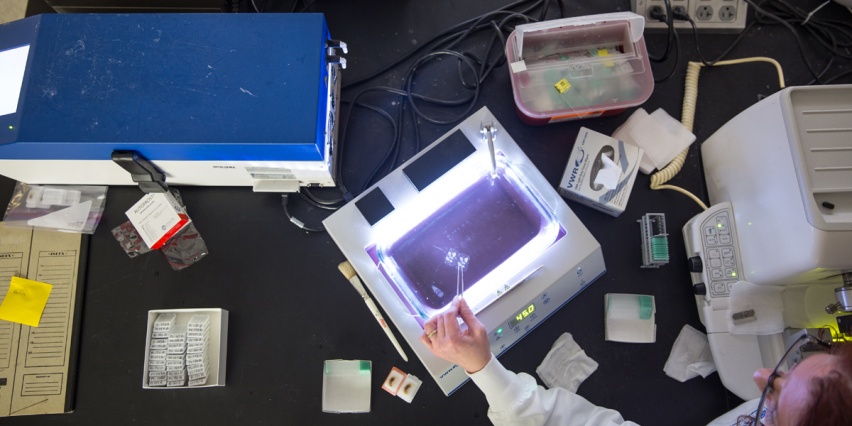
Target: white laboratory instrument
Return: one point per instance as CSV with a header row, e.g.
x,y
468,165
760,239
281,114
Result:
x,y
779,178
451,221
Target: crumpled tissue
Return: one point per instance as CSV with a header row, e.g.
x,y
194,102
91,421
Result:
x,y
566,365
690,356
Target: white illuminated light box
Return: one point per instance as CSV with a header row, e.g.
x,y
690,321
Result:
x,y
446,222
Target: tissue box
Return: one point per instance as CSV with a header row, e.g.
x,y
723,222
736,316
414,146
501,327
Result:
x,y
585,164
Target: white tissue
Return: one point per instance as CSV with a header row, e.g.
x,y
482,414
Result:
x,y
608,174
690,356
765,301
658,134
566,365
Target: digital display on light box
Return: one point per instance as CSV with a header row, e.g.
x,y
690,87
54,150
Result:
x,y
522,315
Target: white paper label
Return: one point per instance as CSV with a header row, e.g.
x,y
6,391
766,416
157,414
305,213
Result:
x,y
13,63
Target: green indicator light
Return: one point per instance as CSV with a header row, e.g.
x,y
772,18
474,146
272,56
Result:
x,y
11,127
718,225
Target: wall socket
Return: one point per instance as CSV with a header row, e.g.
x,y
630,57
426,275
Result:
x,y
711,16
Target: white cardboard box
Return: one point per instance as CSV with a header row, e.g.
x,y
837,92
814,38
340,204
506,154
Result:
x,y
157,217
578,181
630,318
216,349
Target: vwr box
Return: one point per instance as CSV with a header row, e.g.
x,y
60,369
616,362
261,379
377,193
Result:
x,y
600,172
209,99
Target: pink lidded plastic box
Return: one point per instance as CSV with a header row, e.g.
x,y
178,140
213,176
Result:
x,y
575,68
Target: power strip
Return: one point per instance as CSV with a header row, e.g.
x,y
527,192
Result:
x,y
712,16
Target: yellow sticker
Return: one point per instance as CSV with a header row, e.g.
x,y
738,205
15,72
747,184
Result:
x,y
562,85
25,301
604,52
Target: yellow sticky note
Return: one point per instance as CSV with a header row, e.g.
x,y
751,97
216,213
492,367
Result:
x,y
562,85
25,301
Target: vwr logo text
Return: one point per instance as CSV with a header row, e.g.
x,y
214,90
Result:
x,y
576,168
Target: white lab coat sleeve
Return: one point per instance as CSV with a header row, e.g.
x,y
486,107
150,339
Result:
x,y
516,399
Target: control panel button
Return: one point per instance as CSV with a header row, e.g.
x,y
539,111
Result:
x,y
695,264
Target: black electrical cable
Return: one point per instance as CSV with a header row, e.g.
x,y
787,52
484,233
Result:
x,y
724,52
335,202
669,34
799,43
306,6
676,59
440,46
285,201
824,71
312,201
834,35
668,19
464,59
355,102
440,38
409,79
838,76
697,44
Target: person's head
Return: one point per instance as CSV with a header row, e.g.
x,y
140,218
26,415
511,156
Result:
x,y
816,391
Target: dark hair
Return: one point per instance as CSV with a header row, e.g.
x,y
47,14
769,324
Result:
x,y
831,394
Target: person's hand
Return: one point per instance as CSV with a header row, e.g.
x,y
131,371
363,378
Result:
x,y
468,347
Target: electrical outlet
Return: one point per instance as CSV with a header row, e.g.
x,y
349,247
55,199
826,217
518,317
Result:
x,y
712,16
727,13
704,13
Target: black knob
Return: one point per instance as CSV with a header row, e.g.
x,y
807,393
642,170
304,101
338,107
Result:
x,y
700,289
695,264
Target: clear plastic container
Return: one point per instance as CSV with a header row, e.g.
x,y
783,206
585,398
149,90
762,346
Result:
x,y
575,68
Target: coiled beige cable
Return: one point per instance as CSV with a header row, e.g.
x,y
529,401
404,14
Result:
x,y
690,99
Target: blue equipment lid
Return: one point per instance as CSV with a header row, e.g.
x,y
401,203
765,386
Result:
x,y
170,86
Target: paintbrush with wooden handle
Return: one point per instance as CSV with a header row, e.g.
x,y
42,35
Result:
x,y
350,274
